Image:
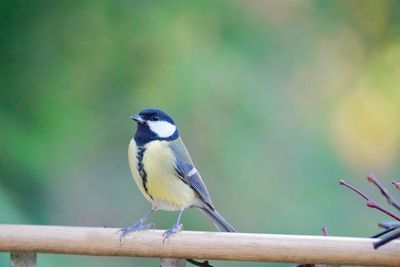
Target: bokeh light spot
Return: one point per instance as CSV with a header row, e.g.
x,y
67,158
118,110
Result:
x,y
365,130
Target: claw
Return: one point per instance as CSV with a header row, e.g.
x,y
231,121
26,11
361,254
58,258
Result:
x,y
170,232
134,228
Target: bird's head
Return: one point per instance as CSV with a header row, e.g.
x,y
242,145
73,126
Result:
x,y
154,124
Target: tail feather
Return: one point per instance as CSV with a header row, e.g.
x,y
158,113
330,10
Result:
x,y
218,220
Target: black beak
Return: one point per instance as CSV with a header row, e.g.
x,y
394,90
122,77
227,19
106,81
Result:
x,y
138,119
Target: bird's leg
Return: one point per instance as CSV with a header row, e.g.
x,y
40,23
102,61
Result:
x,y
175,228
138,226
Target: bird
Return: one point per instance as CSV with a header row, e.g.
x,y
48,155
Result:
x,y
165,174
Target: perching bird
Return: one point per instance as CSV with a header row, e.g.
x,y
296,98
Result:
x,y
164,172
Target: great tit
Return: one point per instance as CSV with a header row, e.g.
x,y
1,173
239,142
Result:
x,y
165,174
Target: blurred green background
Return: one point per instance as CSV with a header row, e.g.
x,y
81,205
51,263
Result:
x,y
276,100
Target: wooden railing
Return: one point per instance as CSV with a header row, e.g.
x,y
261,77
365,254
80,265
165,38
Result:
x,y
25,241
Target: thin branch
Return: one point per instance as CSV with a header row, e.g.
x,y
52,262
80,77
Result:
x,y
199,263
386,240
388,225
325,231
370,202
390,199
396,184
384,232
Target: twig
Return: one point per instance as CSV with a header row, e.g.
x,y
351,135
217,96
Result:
x,y
325,231
370,202
386,240
390,199
384,232
388,225
199,263
396,184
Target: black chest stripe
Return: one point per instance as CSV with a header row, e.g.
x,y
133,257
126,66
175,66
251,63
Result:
x,y
140,168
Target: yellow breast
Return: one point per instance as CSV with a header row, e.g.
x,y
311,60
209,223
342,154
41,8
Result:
x,y
166,189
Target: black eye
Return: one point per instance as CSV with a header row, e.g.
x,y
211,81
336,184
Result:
x,y
155,118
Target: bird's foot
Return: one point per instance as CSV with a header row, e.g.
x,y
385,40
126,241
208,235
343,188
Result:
x,y
170,232
139,226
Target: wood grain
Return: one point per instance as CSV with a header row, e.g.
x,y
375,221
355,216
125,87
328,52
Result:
x,y
199,245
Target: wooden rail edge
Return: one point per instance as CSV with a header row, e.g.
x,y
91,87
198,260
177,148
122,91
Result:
x,y
199,245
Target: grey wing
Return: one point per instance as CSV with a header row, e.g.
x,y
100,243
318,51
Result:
x,y
187,172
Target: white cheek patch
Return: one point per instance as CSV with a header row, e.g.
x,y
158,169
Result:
x,y
163,129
